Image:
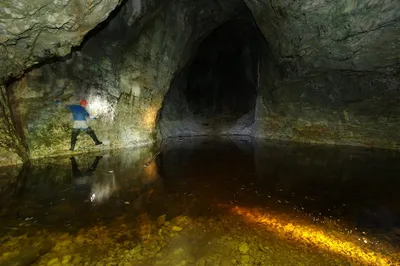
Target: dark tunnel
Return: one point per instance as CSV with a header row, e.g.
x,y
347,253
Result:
x,y
215,93
220,79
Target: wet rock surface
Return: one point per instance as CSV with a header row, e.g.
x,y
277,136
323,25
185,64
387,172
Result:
x,y
201,242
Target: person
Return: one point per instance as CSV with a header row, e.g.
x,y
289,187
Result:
x,y
80,114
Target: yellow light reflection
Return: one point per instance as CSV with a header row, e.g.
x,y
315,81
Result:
x,y
150,173
103,186
149,118
314,237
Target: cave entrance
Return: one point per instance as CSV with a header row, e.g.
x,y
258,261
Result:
x,y
215,93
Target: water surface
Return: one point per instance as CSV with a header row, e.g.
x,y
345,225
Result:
x,y
204,201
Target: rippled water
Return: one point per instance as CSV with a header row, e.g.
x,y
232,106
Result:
x,y
203,201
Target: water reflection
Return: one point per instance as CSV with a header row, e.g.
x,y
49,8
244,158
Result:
x,y
82,177
348,194
103,185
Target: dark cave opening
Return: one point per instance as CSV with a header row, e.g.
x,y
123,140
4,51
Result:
x,y
215,93
221,77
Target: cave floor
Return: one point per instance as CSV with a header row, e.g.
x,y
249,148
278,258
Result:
x,y
225,201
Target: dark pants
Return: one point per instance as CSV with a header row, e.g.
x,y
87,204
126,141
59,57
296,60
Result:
x,y
89,131
78,173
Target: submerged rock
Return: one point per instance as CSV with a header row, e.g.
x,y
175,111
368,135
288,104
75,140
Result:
x,y
243,248
176,228
245,259
144,227
161,220
29,255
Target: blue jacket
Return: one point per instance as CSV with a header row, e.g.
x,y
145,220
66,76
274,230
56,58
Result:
x,y
78,112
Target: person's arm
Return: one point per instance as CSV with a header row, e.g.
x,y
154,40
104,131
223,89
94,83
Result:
x,y
67,106
88,115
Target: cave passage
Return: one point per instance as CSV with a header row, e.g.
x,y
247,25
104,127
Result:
x,y
220,79
215,93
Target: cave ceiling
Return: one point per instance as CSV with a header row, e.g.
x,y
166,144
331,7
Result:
x,y
306,37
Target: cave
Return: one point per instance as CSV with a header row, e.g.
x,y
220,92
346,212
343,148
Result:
x,y
209,132
220,68
215,92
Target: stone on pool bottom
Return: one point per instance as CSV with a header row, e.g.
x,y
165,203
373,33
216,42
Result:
x,y
201,202
226,240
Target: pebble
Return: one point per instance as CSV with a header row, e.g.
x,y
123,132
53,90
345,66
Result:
x,y
53,261
243,247
232,249
176,228
245,259
161,220
66,259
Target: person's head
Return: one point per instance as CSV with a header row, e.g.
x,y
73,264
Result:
x,y
83,103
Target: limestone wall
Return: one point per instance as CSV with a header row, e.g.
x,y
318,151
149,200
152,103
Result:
x,y
33,30
349,109
123,75
329,72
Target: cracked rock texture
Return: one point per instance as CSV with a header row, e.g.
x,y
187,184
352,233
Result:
x,y
123,71
328,71
351,109
34,30
333,72
314,36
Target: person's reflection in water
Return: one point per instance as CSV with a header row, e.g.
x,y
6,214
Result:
x,y
102,184
82,178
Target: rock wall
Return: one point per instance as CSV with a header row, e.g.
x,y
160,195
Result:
x,y
123,70
33,31
313,37
334,77
168,42
329,73
121,121
351,109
